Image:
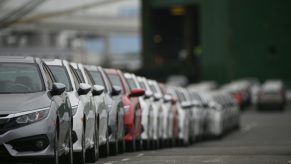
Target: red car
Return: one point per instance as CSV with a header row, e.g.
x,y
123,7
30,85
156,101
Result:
x,y
132,115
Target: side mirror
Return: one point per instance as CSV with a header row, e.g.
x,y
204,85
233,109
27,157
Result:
x,y
115,91
157,97
136,92
97,90
84,89
214,105
167,98
148,94
186,105
205,105
57,89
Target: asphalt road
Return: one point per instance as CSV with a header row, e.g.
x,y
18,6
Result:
x,y
264,138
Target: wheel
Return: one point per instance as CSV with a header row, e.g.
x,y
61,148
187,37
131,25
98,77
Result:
x,y
131,145
68,157
92,154
121,146
81,156
114,145
104,149
56,158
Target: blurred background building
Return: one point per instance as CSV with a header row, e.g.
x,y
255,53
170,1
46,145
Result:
x,y
90,31
217,40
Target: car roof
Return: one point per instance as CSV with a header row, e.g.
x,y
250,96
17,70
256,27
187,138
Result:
x,y
17,59
56,62
91,67
111,71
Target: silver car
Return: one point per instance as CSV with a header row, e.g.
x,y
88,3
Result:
x,y
272,95
112,135
35,113
84,113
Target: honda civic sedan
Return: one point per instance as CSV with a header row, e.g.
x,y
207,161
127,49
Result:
x,y
35,113
84,123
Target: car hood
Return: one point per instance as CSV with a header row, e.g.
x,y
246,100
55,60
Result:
x,y
15,103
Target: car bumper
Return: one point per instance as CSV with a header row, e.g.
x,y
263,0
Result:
x,y
33,132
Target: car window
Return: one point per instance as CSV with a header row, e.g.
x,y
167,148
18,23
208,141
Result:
x,y
20,78
49,75
97,78
80,75
142,85
61,75
131,83
75,76
88,77
116,81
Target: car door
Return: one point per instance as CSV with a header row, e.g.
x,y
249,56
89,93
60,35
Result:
x,y
63,108
89,113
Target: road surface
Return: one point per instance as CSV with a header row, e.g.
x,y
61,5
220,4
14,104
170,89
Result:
x,y
264,138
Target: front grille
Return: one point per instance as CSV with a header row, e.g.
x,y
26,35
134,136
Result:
x,y
29,143
3,122
3,152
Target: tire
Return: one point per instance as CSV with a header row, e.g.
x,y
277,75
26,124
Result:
x,y
104,149
81,156
121,146
92,154
131,145
68,158
56,158
114,146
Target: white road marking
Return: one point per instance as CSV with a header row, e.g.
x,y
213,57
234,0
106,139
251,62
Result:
x,y
107,163
213,161
248,127
125,159
139,155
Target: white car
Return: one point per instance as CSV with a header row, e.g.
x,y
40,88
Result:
x,y
147,112
84,113
199,117
183,108
156,127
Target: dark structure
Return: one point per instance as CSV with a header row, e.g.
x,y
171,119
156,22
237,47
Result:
x,y
217,39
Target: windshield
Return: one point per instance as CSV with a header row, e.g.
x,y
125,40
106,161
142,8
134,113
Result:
x,y
20,78
61,76
115,80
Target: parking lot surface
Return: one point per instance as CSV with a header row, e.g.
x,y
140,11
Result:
x,y
264,137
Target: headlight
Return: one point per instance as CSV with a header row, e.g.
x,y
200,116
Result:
x,y
74,110
31,117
